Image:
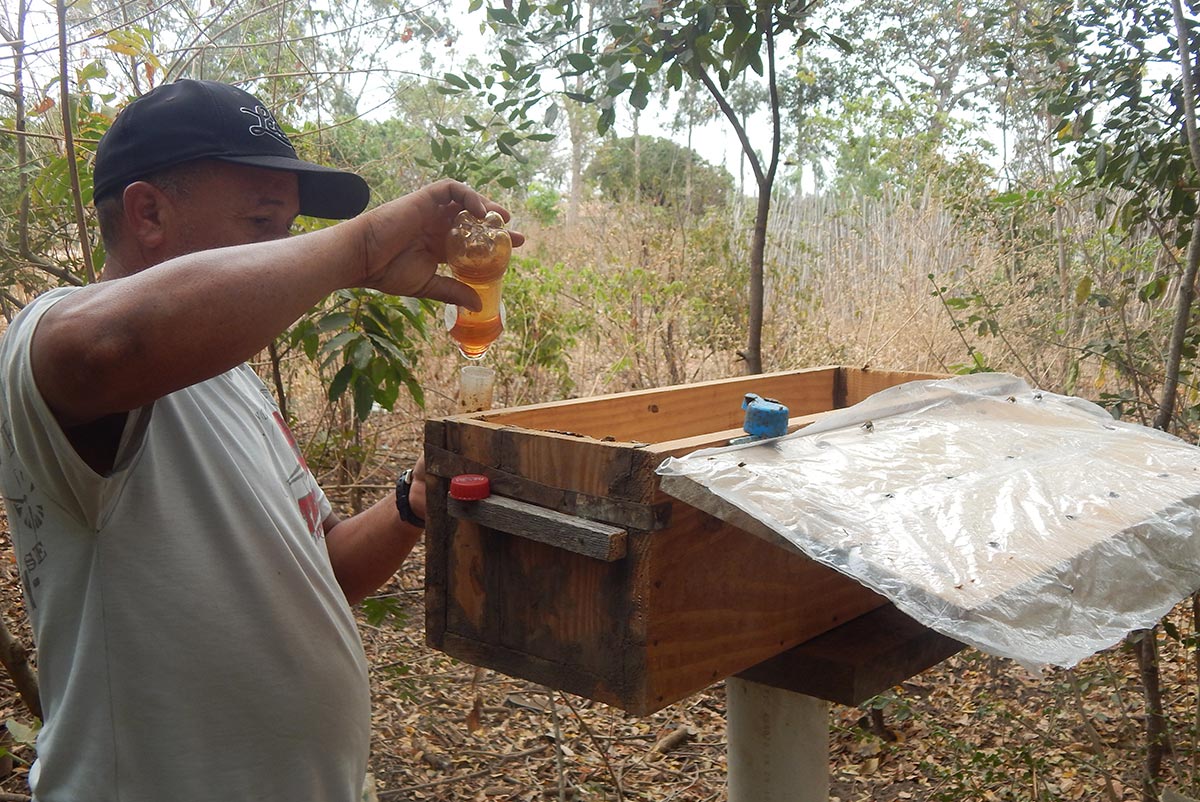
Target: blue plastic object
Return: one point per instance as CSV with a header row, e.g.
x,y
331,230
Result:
x,y
765,417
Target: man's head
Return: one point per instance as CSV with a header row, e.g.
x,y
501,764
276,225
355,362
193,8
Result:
x,y
178,131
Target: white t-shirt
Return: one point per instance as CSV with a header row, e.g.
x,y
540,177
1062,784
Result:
x,y
193,643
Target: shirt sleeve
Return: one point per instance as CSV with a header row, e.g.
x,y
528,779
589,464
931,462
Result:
x,y
33,436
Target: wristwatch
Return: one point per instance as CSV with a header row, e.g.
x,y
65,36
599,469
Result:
x,y
403,486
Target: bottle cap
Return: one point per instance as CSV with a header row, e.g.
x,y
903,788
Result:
x,y
470,487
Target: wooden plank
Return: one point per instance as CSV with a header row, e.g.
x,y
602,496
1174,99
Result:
x,y
602,469
579,535
437,534
615,511
865,382
517,663
720,600
669,413
858,660
686,445
546,603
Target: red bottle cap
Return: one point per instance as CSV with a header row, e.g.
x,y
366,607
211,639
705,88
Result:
x,y
470,487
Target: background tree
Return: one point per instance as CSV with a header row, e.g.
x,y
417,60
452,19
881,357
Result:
x,y
713,45
668,175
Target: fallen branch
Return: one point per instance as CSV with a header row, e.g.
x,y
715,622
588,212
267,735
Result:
x,y
673,740
15,658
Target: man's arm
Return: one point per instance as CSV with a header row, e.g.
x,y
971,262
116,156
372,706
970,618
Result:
x,y
369,548
118,345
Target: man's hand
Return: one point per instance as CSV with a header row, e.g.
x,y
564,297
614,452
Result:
x,y
416,493
405,241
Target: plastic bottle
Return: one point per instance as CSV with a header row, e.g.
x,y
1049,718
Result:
x,y
478,252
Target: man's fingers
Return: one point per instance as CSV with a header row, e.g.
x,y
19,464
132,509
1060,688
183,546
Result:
x,y
452,291
475,203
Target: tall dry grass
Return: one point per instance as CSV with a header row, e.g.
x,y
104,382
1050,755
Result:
x,y
633,296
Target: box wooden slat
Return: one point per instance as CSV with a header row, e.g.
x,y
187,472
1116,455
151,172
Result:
x,y
694,600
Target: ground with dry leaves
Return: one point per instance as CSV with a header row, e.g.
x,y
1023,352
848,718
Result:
x,y
973,728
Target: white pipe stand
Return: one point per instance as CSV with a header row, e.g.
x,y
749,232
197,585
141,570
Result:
x,y
778,744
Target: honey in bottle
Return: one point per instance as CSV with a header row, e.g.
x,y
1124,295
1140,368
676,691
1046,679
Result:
x,y
477,252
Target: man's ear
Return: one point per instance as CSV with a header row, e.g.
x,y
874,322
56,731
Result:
x,y
147,214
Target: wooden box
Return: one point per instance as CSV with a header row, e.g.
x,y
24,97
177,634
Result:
x,y
582,575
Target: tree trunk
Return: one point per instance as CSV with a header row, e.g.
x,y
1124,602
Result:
x,y
277,379
1187,287
1158,744
758,247
575,125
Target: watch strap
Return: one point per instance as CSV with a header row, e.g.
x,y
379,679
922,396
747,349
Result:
x,y
403,486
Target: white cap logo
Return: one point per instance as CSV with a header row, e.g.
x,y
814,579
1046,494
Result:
x,y
264,125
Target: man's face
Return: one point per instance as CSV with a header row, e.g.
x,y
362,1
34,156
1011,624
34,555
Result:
x,y
233,204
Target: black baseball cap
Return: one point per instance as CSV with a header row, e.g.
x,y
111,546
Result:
x,y
188,119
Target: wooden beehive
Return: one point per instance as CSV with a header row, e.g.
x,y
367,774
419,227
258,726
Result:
x,y
582,575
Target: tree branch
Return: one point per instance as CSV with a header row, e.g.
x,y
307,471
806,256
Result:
x,y
68,130
731,115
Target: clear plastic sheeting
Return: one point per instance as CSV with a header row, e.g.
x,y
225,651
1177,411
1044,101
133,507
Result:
x,y
1031,525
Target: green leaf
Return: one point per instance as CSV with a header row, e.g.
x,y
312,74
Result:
x,y
619,84
383,344
580,62
675,76
334,320
93,69
1083,290
739,16
841,43
341,381
415,390
335,344
607,118
361,353
378,610
1153,289
364,396
387,395
639,98
502,16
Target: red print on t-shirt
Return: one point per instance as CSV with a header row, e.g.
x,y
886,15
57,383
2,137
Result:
x,y
309,507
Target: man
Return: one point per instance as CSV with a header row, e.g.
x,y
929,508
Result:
x,y
186,578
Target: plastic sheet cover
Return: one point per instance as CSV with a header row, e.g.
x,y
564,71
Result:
x,y
1030,525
